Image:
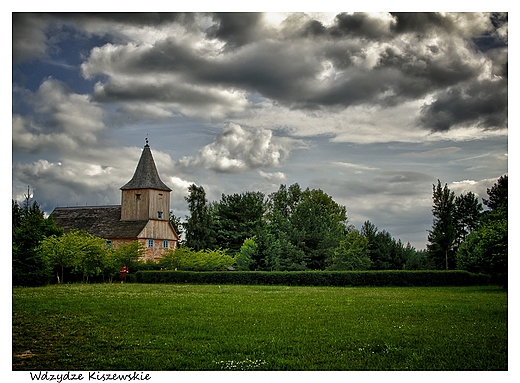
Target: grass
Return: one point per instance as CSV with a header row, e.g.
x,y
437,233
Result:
x,y
117,327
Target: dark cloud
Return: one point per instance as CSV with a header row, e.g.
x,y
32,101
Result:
x,y
482,104
235,29
359,59
421,22
360,25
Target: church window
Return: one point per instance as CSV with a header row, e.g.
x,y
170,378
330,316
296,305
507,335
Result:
x,y
165,243
159,214
150,243
138,197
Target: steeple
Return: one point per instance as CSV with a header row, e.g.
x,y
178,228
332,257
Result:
x,y
146,175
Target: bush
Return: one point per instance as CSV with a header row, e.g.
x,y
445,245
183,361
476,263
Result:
x,y
318,278
184,258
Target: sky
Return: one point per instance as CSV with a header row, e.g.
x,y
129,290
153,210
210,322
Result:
x,y
371,108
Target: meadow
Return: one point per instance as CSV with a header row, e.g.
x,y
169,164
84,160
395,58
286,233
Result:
x,y
164,327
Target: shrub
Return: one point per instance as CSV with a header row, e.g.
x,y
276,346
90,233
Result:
x,y
318,278
184,258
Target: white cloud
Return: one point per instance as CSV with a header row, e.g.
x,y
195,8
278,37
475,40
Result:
x,y
273,177
66,120
477,187
237,149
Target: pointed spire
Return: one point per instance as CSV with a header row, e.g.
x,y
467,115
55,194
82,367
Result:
x,y
146,175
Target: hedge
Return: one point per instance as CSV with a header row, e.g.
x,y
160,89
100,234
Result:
x,y
317,278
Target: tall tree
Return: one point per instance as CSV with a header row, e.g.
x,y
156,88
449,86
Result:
x,y
177,225
497,202
320,223
466,215
384,251
30,227
485,250
237,217
443,234
198,225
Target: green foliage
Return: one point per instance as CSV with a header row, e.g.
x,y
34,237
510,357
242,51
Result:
x,y
78,251
238,217
124,254
30,267
318,278
303,229
351,253
418,260
244,258
177,224
384,251
198,226
184,258
497,202
468,211
485,251
443,234
320,224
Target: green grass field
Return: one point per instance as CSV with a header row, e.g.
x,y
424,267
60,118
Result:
x,y
115,327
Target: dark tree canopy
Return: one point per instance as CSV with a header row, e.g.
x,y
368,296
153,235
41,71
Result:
x,y
30,227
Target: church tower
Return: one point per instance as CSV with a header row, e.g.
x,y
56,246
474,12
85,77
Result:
x,y
145,196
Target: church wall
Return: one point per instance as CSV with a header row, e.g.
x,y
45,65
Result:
x,y
150,253
135,205
159,201
159,230
144,204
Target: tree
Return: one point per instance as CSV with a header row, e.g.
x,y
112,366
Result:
x,y
30,227
497,202
443,234
384,251
177,224
352,253
90,256
418,260
198,226
244,258
123,254
319,225
466,216
485,251
77,251
237,217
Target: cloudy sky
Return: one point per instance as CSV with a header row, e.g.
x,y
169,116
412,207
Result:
x,y
371,108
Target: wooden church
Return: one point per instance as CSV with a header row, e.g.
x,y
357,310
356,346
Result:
x,y
142,216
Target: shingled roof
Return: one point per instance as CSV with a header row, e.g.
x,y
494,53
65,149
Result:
x,y
146,175
100,221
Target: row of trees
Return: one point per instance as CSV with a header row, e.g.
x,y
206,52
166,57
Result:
x,y
466,237
290,229
42,252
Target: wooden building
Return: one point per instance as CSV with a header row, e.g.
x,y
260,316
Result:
x,y
143,214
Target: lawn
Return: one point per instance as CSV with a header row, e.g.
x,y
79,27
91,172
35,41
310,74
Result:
x,y
116,327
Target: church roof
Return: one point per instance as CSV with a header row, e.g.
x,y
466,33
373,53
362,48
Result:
x,y
146,175
100,221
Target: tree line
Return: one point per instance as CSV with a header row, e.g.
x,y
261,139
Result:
x,y
288,230
466,237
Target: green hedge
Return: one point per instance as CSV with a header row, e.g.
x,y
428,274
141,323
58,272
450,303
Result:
x,y
317,278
